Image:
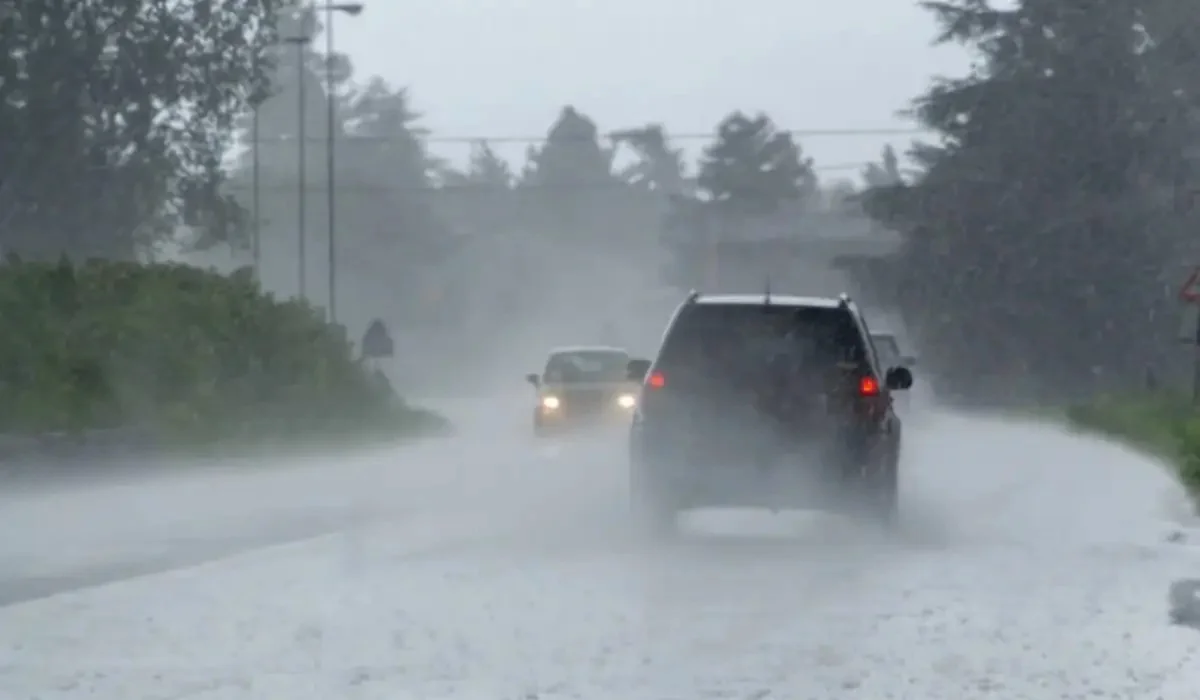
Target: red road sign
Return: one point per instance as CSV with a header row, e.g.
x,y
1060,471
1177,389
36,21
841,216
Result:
x,y
1190,291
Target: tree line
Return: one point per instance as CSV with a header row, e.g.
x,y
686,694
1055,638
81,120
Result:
x,y
490,243
419,224
1045,235
1044,230
126,123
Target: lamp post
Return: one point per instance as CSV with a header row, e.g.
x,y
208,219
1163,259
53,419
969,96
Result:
x,y
353,9
301,43
255,184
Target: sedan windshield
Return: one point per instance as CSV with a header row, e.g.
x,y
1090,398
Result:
x,y
586,366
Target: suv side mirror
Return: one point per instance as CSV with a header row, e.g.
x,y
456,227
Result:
x,y
637,370
533,379
898,379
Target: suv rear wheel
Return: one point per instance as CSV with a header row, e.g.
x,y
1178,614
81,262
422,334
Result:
x,y
654,513
882,492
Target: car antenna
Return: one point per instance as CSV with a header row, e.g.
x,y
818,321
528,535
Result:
x,y
767,291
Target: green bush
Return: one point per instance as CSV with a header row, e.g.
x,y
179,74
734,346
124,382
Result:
x,y
198,357
1164,424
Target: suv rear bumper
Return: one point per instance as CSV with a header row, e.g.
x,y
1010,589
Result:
x,y
782,485
834,475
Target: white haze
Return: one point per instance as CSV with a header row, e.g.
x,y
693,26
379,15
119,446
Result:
x,y
493,566
581,293
1030,561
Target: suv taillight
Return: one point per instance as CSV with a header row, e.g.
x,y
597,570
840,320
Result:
x,y
656,380
872,403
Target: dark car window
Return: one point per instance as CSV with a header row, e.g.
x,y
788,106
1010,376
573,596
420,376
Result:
x,y
586,366
747,344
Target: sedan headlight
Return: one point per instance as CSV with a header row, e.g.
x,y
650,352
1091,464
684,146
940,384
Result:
x,y
550,402
626,400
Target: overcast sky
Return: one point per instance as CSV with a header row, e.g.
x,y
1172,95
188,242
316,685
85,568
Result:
x,y
504,68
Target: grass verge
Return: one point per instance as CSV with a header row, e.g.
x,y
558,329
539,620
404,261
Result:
x,y
1164,425
405,424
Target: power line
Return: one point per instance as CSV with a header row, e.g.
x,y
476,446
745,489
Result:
x,y
834,167
702,136
692,136
615,183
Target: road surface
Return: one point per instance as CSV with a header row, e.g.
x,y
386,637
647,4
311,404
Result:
x,y
1032,563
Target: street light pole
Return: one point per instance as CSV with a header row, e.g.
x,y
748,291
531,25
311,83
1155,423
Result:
x,y
256,189
300,42
302,173
352,9
330,174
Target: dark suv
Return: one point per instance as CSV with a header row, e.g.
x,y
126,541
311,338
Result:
x,y
769,402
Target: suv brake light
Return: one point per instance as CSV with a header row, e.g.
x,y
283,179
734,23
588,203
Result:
x,y
868,386
656,380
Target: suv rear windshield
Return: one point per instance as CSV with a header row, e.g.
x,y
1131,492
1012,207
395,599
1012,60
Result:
x,y
738,337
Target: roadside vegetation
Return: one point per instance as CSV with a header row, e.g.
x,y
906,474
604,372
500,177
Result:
x,y
193,358
1166,425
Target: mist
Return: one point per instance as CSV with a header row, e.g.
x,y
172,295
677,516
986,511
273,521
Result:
x,y
1026,251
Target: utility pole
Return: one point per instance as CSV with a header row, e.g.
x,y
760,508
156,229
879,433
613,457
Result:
x,y
353,9
301,43
330,164
302,174
256,190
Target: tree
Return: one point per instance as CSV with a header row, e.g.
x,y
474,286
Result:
x,y
572,156
480,205
485,170
752,176
389,238
276,143
389,193
116,116
568,190
277,147
380,119
884,173
753,168
660,167
289,63
479,201
841,196
1034,247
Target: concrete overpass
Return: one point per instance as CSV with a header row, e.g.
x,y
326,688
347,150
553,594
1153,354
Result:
x,y
798,256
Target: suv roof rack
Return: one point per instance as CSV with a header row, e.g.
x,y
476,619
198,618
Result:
x,y
693,296
844,300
